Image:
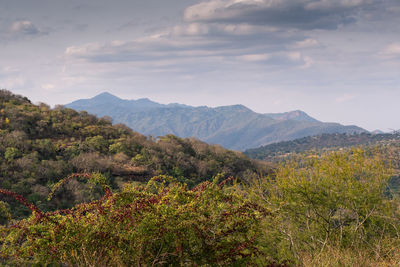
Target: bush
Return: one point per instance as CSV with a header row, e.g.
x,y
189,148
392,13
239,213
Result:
x,y
333,201
161,223
11,153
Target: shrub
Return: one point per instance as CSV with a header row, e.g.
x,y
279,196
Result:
x,y
160,223
333,201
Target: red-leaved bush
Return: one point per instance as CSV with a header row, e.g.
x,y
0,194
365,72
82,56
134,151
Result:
x,y
160,223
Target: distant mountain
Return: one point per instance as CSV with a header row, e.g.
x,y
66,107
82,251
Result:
x,y
234,127
277,151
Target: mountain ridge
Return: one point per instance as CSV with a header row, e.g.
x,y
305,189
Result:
x,y
234,126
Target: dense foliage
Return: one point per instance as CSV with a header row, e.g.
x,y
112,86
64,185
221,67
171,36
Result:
x,y
329,210
40,145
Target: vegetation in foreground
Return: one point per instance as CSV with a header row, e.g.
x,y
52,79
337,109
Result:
x,y
331,210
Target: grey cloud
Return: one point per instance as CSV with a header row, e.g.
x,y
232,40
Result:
x,y
224,34
181,44
192,42
25,27
194,56
298,14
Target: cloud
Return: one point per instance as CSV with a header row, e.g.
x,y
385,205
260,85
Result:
x,y
25,27
254,57
391,51
298,58
219,33
296,14
306,43
166,51
153,48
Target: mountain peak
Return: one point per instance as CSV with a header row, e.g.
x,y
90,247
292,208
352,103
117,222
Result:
x,y
106,96
237,108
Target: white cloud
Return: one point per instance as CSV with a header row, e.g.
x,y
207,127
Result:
x,y
218,29
190,29
308,62
210,10
84,49
306,43
254,57
302,61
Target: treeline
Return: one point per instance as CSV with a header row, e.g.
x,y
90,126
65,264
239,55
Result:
x,y
328,210
40,145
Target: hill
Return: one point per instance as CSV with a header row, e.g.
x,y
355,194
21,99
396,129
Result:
x,y
39,146
234,127
277,151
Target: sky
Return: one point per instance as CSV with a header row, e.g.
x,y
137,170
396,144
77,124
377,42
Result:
x,y
337,60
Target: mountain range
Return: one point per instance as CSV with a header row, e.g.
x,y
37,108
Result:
x,y
234,127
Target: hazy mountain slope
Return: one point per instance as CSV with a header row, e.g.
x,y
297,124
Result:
x,y
234,127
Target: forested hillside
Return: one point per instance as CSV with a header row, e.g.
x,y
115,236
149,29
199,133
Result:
x,y
387,144
323,142
39,146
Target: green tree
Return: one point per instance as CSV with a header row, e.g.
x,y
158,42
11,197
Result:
x,y
11,153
